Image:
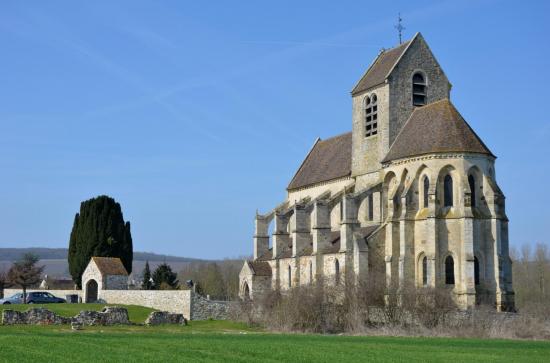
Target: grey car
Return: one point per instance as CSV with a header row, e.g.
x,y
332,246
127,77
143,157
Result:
x,y
36,297
14,299
41,297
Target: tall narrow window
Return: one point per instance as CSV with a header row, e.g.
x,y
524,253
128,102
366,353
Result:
x,y
476,271
371,115
337,271
472,183
426,188
310,271
448,191
371,207
425,271
419,89
289,277
449,271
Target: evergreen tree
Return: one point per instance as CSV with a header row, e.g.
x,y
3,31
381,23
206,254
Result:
x,y
99,230
146,283
164,278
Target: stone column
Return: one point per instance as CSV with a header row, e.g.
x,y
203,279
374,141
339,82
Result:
x,y
468,288
281,238
261,236
431,238
320,220
349,222
406,253
300,232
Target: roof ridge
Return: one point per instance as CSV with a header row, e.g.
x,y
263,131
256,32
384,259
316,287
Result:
x,y
335,136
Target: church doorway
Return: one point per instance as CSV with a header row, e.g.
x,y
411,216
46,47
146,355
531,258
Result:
x,y
91,291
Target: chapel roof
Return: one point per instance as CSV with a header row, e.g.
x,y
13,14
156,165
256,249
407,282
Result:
x,y
110,266
380,69
328,160
435,128
260,268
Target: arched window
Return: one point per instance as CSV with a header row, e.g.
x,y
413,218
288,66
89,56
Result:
x,y
449,271
472,183
419,89
371,207
426,188
337,271
448,191
246,292
476,271
371,115
425,271
289,277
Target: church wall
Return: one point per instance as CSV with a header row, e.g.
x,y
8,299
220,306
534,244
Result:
x,y
329,267
417,57
367,152
306,274
284,264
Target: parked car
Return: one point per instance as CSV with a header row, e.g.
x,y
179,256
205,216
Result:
x,y
41,297
14,299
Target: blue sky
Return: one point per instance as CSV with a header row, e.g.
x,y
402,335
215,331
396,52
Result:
x,y
194,115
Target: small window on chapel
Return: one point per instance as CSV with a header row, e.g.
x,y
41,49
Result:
x,y
371,115
419,89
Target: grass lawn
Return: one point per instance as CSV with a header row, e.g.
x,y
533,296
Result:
x,y
137,314
213,341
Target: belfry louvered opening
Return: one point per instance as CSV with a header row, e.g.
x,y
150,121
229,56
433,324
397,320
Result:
x,y
371,115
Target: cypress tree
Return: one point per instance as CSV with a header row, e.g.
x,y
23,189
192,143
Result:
x,y
146,283
99,230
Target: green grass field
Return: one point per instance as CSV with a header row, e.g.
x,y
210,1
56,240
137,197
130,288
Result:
x,y
214,341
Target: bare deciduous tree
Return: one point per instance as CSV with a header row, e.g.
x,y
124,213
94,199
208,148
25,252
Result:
x,y
25,273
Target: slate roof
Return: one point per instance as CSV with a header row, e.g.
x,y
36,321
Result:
x,y
435,128
260,268
110,265
380,68
328,159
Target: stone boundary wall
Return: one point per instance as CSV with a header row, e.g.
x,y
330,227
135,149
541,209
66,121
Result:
x,y
173,301
191,305
204,309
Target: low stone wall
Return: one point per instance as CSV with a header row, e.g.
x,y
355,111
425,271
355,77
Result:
x,y
204,309
191,305
110,315
163,317
173,301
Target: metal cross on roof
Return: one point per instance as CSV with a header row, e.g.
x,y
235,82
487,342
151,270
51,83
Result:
x,y
399,27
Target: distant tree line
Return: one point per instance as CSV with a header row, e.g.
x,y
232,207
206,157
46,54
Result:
x,y
531,276
219,279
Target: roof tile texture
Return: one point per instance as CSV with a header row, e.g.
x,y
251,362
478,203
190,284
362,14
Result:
x,y
110,265
435,128
379,70
329,159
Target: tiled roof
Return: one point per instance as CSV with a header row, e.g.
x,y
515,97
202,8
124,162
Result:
x,y
260,268
328,160
110,265
379,70
435,128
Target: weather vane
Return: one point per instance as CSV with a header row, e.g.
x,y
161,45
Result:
x,y
399,27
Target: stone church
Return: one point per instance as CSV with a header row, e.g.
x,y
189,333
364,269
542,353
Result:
x,y
409,196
